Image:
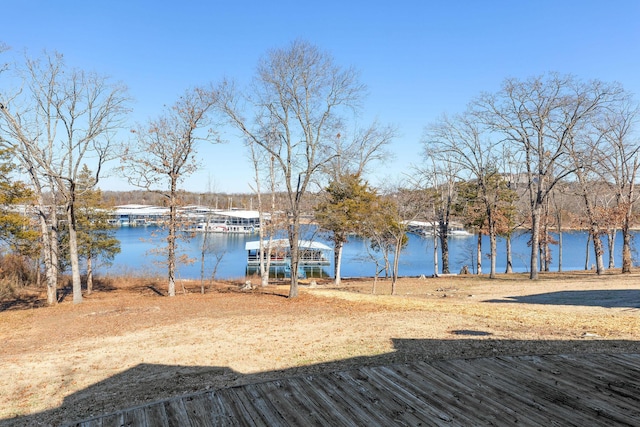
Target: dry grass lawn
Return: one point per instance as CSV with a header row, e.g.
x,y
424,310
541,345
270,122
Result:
x,y
126,344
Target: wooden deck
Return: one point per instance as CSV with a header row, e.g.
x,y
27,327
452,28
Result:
x,y
554,390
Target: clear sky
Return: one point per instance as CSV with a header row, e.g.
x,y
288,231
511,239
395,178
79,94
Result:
x,y
419,58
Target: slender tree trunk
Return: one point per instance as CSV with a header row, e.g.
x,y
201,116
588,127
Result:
x,y
337,259
396,263
626,226
586,259
49,249
598,250
535,241
435,252
611,242
626,249
444,245
559,220
509,268
89,275
544,242
48,221
73,254
203,250
479,254
294,237
493,244
171,240
264,261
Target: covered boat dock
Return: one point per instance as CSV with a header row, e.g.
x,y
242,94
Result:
x,y
311,253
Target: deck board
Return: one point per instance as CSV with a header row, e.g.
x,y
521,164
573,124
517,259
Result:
x,y
589,389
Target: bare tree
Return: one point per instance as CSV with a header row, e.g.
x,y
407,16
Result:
x,y
475,156
386,229
62,119
619,163
266,216
356,154
164,153
583,154
297,99
540,115
439,178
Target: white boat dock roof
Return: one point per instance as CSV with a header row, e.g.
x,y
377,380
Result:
x,y
284,243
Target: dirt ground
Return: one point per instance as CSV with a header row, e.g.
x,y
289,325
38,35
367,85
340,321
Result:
x,y
126,344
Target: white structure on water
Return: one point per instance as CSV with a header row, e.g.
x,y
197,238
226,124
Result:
x,y
311,253
192,218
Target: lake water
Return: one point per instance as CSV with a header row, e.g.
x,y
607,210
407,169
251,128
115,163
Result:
x,y
138,243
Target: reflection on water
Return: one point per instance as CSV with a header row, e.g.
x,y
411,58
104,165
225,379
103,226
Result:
x,y
358,259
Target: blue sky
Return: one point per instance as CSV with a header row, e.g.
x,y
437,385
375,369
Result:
x,y
419,59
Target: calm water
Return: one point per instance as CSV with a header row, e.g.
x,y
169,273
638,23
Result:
x,y
138,244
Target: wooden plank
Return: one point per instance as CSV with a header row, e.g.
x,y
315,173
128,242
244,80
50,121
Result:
x,y
608,393
220,413
393,411
176,413
529,411
555,404
360,403
113,420
589,401
474,396
317,393
293,403
199,410
414,391
235,408
265,412
605,367
348,405
156,415
134,417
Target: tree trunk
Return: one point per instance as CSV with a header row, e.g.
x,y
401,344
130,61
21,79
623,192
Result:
x,y
73,254
611,242
626,226
435,253
626,249
49,235
493,244
559,219
203,248
535,241
49,245
171,241
586,259
337,259
89,275
598,250
396,263
294,237
479,254
546,247
509,268
444,245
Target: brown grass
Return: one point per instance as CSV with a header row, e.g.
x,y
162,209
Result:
x,y
127,344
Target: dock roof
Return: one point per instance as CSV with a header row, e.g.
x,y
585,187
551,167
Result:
x,y
284,243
